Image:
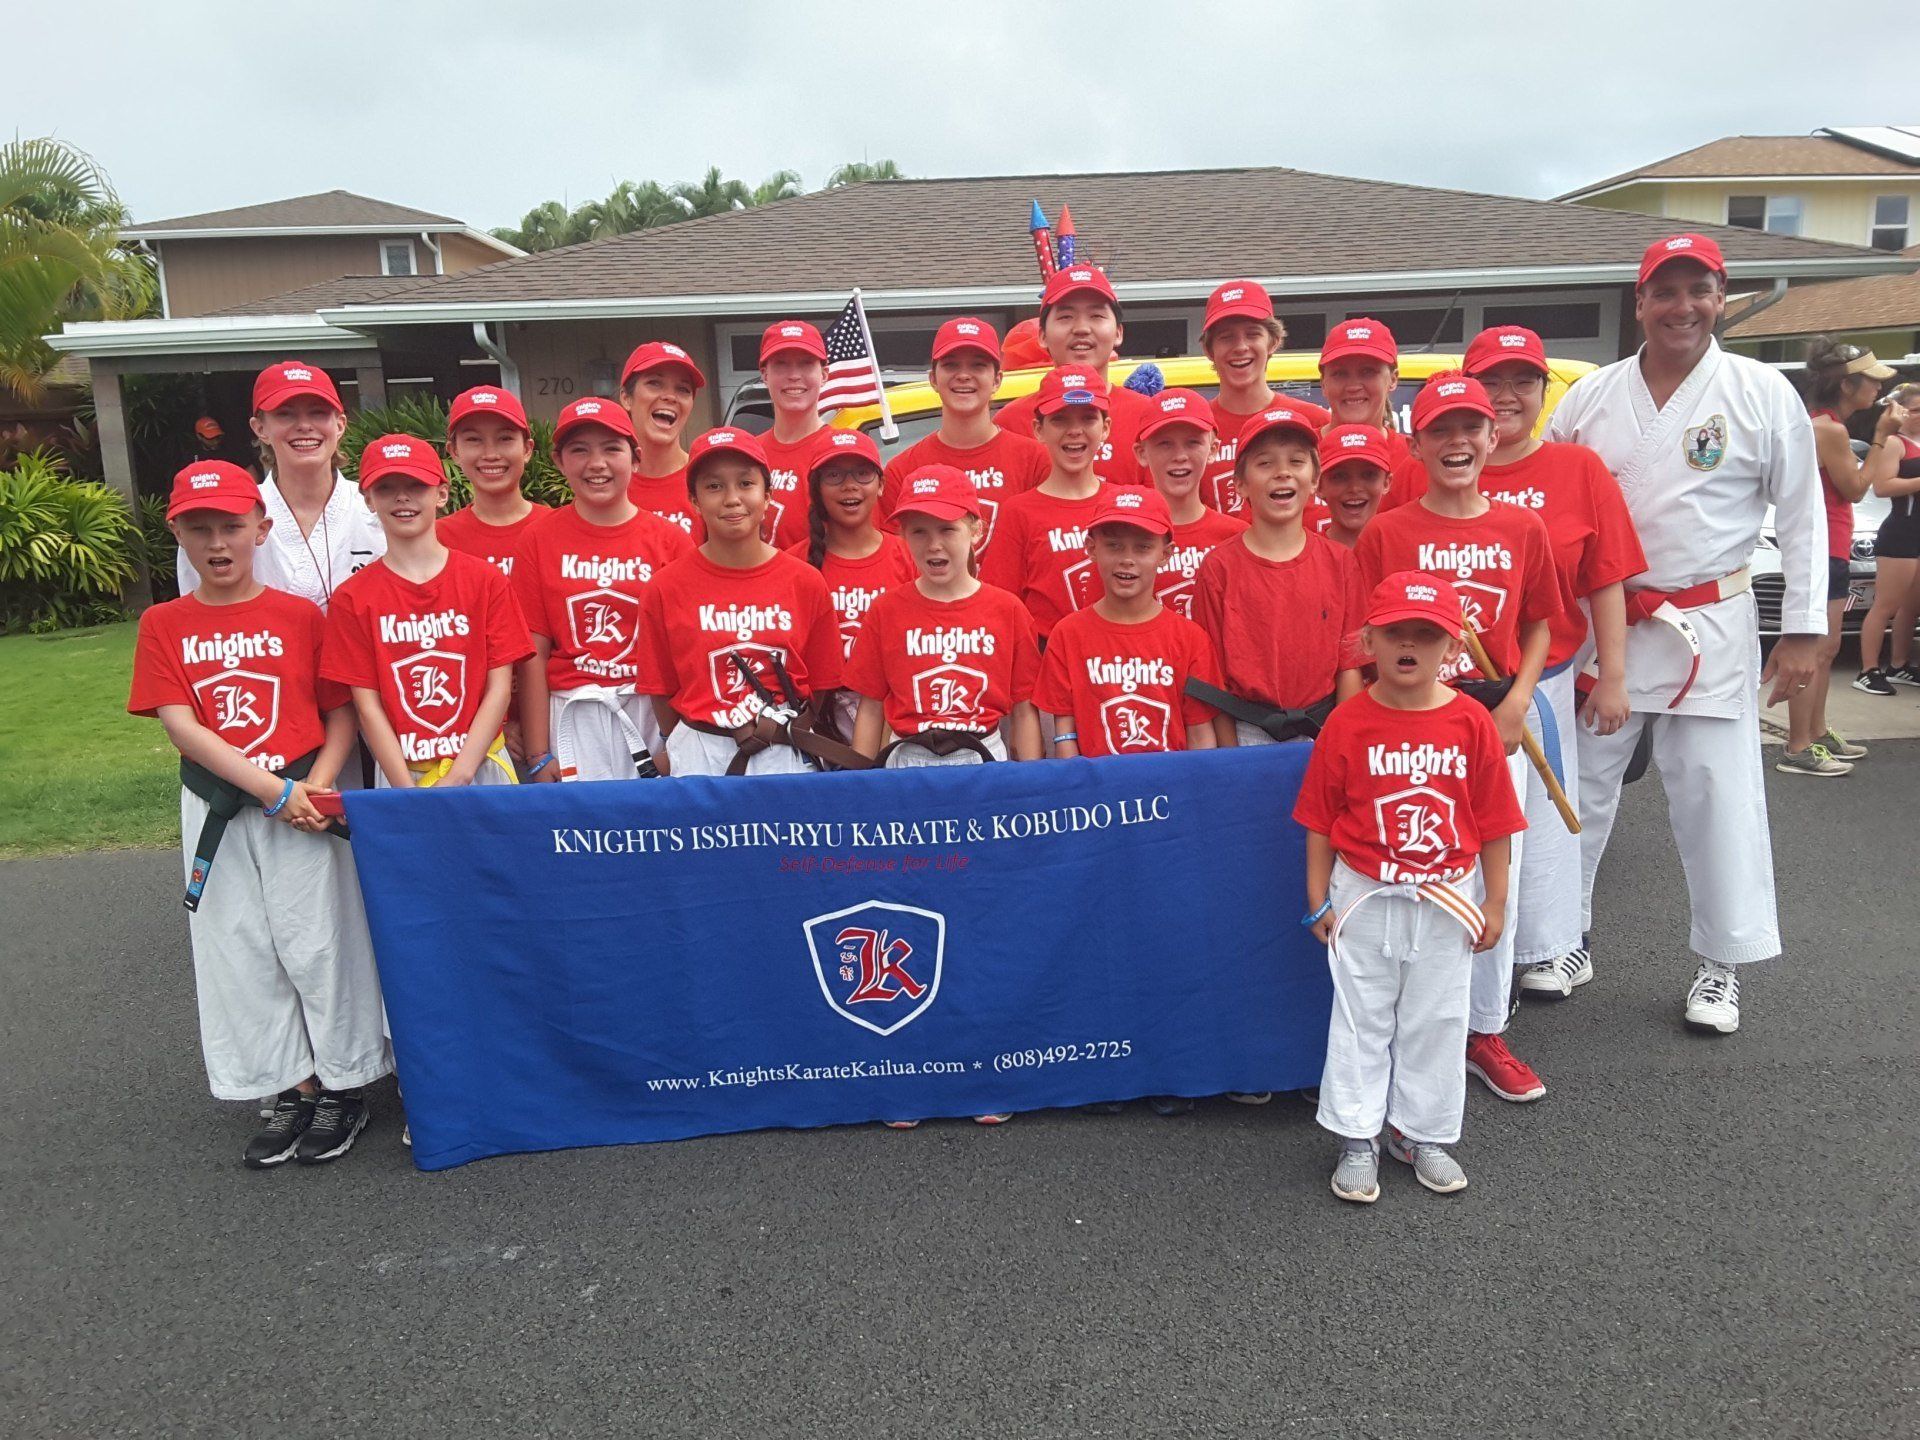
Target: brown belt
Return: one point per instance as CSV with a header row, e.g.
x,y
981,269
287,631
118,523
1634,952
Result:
x,y
763,733
939,742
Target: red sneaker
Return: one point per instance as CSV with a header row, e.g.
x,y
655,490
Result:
x,y
1500,1071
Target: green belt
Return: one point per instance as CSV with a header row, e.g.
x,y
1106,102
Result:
x,y
224,801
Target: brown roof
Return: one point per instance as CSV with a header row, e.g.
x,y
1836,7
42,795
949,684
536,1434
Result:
x,y
324,294
329,210
1762,155
1872,302
1181,225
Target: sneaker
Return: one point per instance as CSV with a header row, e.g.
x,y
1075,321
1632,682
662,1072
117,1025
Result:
x,y
1713,1000
338,1119
993,1119
1874,682
406,1134
1310,1094
1842,748
1904,674
1170,1104
901,1124
1501,1071
1815,760
1432,1166
276,1141
1557,978
1249,1097
1357,1176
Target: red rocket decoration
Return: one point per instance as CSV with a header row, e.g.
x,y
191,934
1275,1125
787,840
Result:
x,y
1042,242
1063,243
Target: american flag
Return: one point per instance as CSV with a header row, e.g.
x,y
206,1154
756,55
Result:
x,y
853,375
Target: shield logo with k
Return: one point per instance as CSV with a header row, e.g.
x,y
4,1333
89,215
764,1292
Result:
x,y
878,963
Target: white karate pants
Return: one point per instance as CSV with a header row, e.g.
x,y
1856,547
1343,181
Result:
x,y
588,733
694,752
913,757
1547,884
1493,969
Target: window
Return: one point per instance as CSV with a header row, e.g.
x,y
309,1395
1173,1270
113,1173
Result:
x,y
1777,214
1889,222
1568,321
1419,329
396,257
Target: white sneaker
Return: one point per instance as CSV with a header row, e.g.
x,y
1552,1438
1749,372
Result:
x,y
1432,1166
1713,1000
1357,1176
1558,976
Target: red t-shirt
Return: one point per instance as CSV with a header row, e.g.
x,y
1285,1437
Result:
x,y
1129,410
1589,529
1216,484
1500,562
1191,545
1124,686
853,585
1283,629
580,585
496,544
1409,795
785,524
1000,469
250,671
1839,508
427,648
698,614
945,664
1042,555
666,496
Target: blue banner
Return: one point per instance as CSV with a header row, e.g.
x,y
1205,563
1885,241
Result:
x,y
595,964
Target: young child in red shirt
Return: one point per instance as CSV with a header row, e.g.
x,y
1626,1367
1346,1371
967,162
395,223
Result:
x,y
1240,335
426,637
1175,449
793,366
1355,461
1282,605
489,439
742,646
1042,554
658,386
944,658
964,373
579,577
1408,810
1499,560
289,999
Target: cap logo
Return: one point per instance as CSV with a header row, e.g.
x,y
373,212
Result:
x,y
1359,332
1234,294
966,327
1077,276
926,486
674,350
1451,387
1422,592
1513,342
397,451
789,332
295,372
1274,415
844,439
1127,500
1172,402
483,397
721,437
205,480
1353,442
1679,242
586,407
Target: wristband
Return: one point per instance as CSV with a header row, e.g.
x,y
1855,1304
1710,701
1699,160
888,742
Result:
x,y
281,803
1062,736
537,766
1326,909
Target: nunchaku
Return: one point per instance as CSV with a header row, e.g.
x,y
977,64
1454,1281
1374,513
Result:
x,y
1527,740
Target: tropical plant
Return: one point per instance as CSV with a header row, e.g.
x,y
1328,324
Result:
x,y
713,194
425,418
544,227
67,547
781,185
857,171
628,207
60,256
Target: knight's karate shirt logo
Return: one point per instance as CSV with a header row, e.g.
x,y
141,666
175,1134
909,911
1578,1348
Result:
x,y
1130,720
432,688
1417,826
243,708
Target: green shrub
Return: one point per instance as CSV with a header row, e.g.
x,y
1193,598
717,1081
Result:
x,y
425,418
67,547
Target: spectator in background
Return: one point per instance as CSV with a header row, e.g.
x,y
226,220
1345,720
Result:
x,y
1896,553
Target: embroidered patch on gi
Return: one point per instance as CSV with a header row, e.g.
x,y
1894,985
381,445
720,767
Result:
x,y
1706,444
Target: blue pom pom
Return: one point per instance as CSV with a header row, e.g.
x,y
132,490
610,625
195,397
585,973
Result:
x,y
1147,380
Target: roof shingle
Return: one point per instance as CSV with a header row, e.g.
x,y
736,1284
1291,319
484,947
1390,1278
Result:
x,y
1871,302
324,294
327,210
1762,155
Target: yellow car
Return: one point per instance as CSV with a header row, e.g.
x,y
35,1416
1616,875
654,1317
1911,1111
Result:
x,y
916,408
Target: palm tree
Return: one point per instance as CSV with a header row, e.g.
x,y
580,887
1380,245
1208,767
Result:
x,y
628,207
713,195
781,185
859,171
60,256
541,228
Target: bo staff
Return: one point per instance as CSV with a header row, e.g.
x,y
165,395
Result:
x,y
1527,740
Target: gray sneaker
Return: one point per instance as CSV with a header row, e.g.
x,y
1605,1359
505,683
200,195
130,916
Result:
x,y
1432,1166
1357,1176
1816,760
1842,748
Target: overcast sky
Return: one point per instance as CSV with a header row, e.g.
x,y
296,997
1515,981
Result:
x,y
200,104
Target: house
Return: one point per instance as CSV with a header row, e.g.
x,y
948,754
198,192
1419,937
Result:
x,y
1437,265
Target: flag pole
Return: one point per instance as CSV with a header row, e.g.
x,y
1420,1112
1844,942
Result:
x,y
888,430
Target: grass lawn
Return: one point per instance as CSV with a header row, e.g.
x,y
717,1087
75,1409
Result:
x,y
76,771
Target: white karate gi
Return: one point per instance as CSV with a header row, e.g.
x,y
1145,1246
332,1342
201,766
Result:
x,y
346,538
694,752
594,730
1546,873
915,757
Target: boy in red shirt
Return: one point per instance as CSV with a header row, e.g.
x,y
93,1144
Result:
x,y
1499,559
1282,605
1042,554
1408,810
1355,461
489,439
579,579
657,387
793,365
964,373
426,637
742,646
289,998
1240,335
1080,324
1175,448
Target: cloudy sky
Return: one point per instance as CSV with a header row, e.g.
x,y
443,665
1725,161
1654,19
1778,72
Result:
x,y
484,109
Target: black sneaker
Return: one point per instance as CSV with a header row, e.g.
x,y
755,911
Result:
x,y
1874,682
275,1143
337,1122
1170,1104
1904,675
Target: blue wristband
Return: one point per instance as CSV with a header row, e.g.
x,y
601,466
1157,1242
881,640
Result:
x,y
1326,909
537,766
281,803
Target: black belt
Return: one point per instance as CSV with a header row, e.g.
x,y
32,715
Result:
x,y
939,742
1489,693
788,721
1302,724
224,801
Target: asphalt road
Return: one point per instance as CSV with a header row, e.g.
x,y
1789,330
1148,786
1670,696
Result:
x,y
1687,1235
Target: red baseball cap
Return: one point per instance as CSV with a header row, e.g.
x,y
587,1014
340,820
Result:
x,y
1075,279
657,353
1682,247
1501,344
1280,417
1416,595
837,444
1342,443
941,492
1133,505
487,400
725,441
1446,392
1359,336
290,379
966,332
1066,385
213,485
791,335
1237,298
1177,407
400,455
594,411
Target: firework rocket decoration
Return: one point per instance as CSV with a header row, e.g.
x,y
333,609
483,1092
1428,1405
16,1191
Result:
x,y
1063,244
1042,241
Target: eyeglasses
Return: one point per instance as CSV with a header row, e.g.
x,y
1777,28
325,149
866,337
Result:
x,y
1521,385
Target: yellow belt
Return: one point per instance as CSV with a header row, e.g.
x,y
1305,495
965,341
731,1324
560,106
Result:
x,y
432,772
